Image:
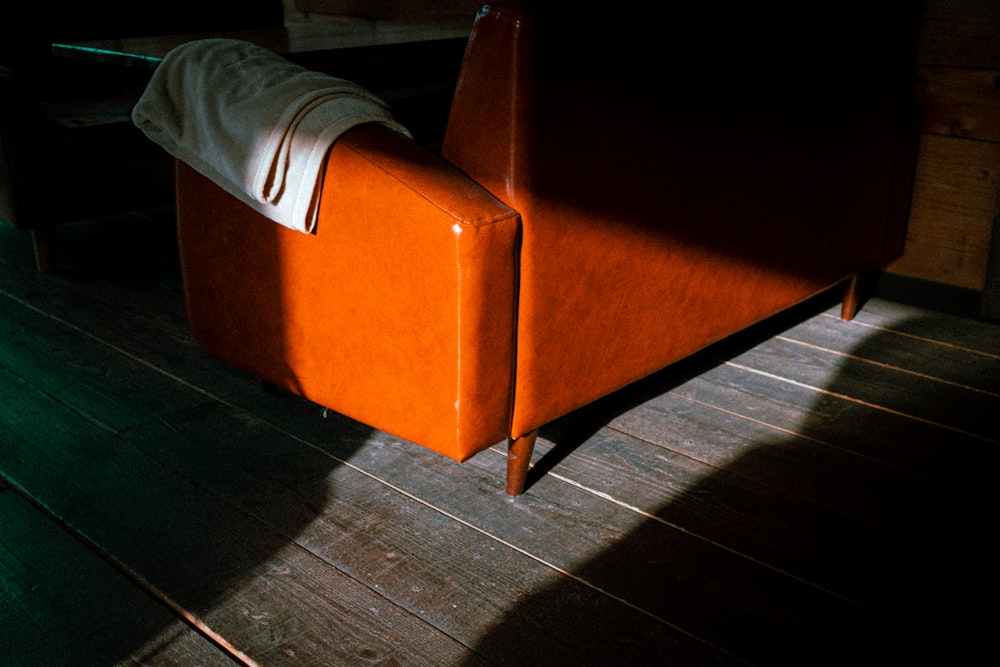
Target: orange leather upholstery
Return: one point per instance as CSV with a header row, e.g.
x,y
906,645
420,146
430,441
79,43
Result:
x,y
665,209
589,224
398,311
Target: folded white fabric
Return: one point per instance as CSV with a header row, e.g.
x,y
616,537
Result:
x,y
255,123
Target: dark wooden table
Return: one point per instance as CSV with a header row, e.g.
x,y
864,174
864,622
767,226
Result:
x,y
297,41
412,65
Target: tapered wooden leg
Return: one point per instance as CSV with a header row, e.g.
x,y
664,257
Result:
x,y
44,240
518,459
852,297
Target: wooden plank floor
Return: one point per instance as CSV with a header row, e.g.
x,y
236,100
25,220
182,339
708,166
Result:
x,y
810,492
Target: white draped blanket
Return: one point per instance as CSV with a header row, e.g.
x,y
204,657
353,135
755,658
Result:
x,y
255,123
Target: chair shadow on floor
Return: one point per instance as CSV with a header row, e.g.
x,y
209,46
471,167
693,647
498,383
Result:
x,y
136,446
859,537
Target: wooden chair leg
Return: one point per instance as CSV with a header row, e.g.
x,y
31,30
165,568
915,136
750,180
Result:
x,y
518,459
853,297
43,238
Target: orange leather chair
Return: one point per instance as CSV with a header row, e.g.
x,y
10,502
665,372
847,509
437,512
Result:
x,y
601,208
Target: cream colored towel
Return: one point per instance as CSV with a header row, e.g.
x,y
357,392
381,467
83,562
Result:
x,y
255,123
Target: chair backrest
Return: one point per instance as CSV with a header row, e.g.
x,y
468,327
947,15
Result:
x,y
538,70
729,158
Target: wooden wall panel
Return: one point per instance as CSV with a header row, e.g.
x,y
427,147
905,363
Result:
x,y
960,102
954,204
964,33
955,196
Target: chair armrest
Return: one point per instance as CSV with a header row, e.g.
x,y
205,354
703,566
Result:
x,y
398,311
